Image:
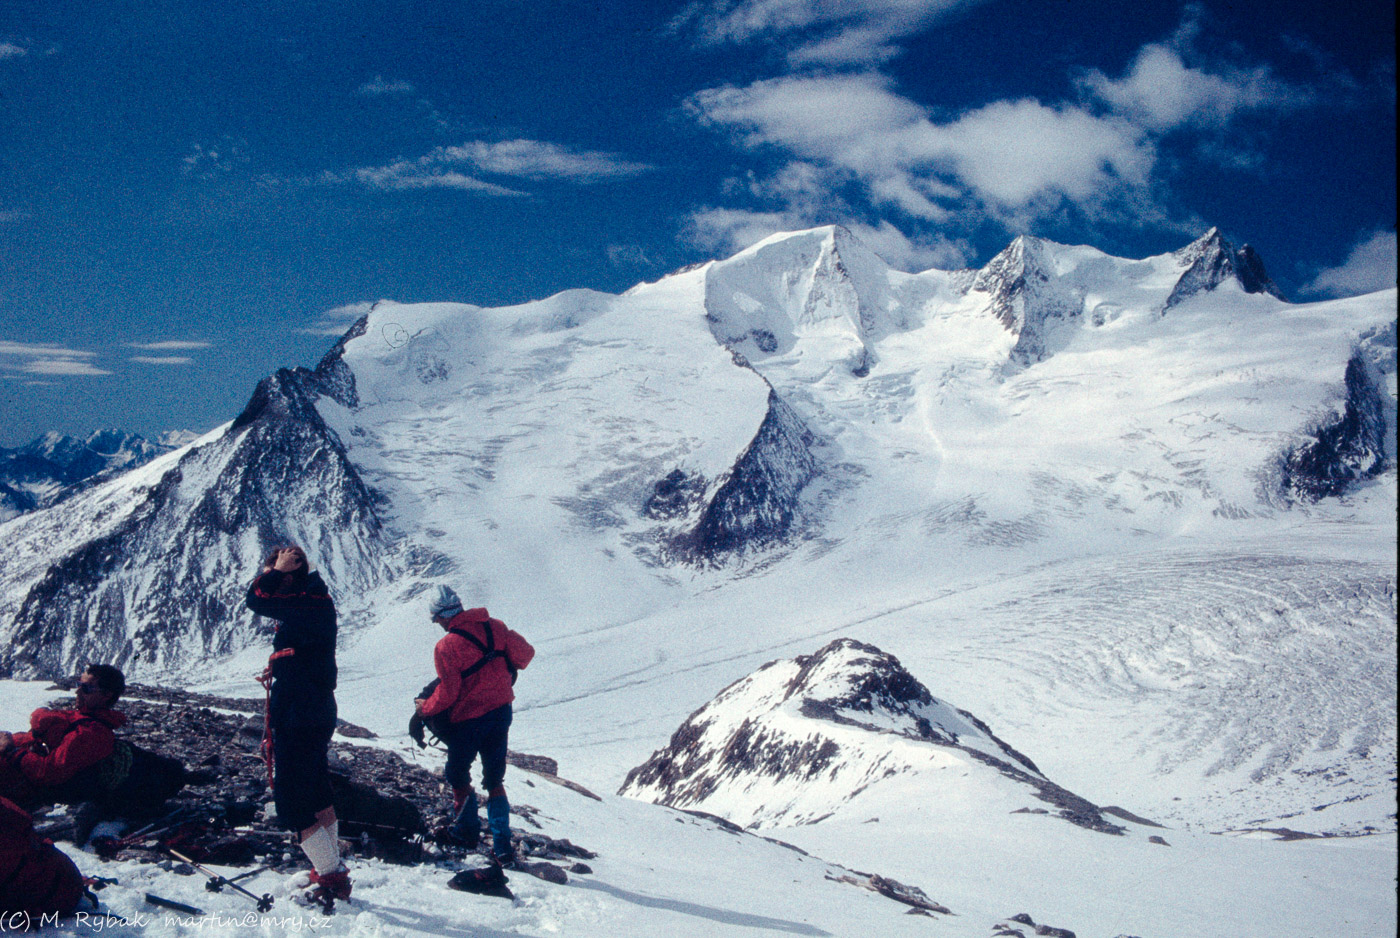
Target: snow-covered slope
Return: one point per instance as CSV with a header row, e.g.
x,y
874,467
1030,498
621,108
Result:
x,y
1138,515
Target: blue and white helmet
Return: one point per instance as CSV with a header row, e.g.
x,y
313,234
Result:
x,y
443,603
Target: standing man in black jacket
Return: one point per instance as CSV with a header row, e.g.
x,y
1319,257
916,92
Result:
x,y
302,712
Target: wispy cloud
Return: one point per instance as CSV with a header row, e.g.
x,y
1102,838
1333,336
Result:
x,y
408,175
1370,266
215,160
8,50
461,167
726,231
380,87
46,359
173,345
336,321
853,32
539,160
162,359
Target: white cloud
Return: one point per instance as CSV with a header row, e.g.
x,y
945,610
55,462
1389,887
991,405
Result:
x,y
533,160
1370,266
8,50
40,358
903,253
1162,93
379,87
536,159
1015,152
174,345
821,32
162,359
1009,156
729,230
336,321
726,231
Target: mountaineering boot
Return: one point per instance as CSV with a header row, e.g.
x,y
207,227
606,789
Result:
x,y
328,887
498,819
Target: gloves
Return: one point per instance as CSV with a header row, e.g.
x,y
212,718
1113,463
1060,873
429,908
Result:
x,y
415,729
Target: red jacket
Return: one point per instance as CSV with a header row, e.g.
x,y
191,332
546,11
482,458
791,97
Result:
x,y
489,687
35,877
72,741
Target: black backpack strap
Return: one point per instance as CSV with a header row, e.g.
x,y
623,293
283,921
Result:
x,y
489,653
488,650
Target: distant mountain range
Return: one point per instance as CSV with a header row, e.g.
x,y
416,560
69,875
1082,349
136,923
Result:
x,y
47,469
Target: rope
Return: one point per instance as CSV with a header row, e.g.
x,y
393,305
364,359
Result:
x,y
265,679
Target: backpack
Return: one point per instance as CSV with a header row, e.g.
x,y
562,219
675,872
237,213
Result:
x,y
439,723
131,781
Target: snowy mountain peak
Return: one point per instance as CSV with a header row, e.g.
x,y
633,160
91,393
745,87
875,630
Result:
x,y
799,741
821,291
1211,260
1026,293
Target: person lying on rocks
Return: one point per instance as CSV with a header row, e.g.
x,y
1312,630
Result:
x,y
476,662
36,878
39,767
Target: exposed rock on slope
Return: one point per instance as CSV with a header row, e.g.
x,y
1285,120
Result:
x,y
163,586
1345,450
1026,297
757,503
1211,260
798,740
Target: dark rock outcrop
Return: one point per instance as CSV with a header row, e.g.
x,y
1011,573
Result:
x,y
1343,451
1211,260
1025,297
756,504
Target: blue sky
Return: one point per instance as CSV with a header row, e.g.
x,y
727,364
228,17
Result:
x,y
195,193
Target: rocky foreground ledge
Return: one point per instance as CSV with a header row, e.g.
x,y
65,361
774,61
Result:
x,y
387,806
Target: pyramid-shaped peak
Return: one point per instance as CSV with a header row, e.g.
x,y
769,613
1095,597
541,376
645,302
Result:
x,y
1211,260
850,675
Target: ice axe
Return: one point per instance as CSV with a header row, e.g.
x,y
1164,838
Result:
x,y
217,882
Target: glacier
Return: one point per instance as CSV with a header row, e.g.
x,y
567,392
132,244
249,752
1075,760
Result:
x,y
1138,515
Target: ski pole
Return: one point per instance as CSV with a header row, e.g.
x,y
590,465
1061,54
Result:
x,y
217,882
154,899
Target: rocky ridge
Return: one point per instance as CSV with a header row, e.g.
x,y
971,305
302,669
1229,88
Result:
x,y
799,739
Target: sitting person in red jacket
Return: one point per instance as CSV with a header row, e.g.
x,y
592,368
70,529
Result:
x,y
36,878
35,766
476,663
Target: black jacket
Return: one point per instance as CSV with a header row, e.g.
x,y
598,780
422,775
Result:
x,y
303,686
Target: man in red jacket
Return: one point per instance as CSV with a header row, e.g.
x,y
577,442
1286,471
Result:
x,y
476,662
62,743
